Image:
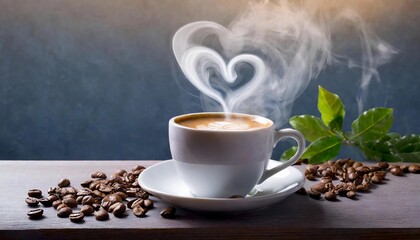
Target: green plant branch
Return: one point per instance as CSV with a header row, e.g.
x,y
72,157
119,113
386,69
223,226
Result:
x,y
370,133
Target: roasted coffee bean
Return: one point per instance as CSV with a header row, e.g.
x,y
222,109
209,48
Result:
x,y
135,202
142,194
79,199
135,184
35,213
328,173
64,182
353,176
101,215
57,203
380,174
137,167
414,168
404,168
118,187
351,170
88,200
105,205
137,172
87,210
99,175
357,164
36,193
393,166
113,198
86,183
310,177
53,197
31,201
341,189
330,196
139,211
148,204
98,193
351,194
84,192
343,177
64,212
61,206
131,178
329,186
105,189
122,195
67,191
52,190
319,187
71,202
376,179
375,169
341,162
383,165
94,185
118,209
121,172
314,194
131,192
326,180
397,171
351,186
168,212
110,209
312,169
321,168
72,196
76,217
116,178
45,202
362,188
96,206
302,191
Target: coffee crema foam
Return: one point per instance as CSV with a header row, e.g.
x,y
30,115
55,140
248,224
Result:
x,y
209,122
225,125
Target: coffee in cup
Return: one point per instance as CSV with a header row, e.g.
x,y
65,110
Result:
x,y
221,122
219,155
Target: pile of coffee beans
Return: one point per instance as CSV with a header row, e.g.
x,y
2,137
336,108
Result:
x,y
100,196
353,177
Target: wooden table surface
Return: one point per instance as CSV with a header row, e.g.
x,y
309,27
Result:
x,y
390,211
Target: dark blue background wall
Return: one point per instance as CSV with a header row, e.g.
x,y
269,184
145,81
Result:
x,y
96,79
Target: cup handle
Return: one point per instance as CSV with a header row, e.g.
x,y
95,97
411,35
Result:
x,y
278,135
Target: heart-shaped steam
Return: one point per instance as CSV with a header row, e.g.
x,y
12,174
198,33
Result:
x,y
291,59
293,39
199,59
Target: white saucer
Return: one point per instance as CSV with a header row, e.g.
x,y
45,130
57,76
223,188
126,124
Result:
x,y
162,181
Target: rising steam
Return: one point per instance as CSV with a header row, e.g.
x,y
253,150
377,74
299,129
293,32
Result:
x,y
282,46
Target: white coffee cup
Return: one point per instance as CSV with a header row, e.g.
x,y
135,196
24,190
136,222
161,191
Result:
x,y
217,155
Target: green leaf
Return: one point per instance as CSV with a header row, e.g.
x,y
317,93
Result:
x,y
331,109
393,148
407,148
311,127
288,153
323,149
336,124
379,151
372,125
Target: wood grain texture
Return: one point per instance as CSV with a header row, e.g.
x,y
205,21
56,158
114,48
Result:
x,y
390,211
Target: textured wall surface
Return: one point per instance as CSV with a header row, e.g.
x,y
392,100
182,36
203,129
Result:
x,y
95,79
